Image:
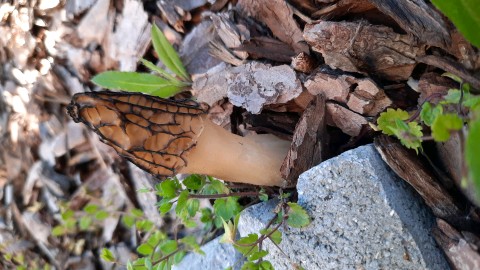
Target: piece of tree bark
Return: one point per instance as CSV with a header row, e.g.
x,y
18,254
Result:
x,y
343,7
348,121
278,16
251,86
304,63
361,95
175,14
417,18
433,86
268,48
460,253
361,47
308,145
229,34
406,164
452,67
281,125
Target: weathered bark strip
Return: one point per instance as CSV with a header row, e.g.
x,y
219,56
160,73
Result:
x,y
458,250
361,47
278,16
406,164
268,48
452,67
308,146
174,14
418,19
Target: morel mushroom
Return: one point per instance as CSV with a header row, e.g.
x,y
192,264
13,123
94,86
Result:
x,y
166,137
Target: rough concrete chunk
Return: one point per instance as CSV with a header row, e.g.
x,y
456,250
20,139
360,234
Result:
x,y
217,256
363,217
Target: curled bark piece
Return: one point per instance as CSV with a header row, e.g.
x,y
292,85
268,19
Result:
x,y
166,137
349,122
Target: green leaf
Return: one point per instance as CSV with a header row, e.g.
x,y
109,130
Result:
x,y
181,202
101,215
191,243
167,54
387,121
137,212
143,190
165,207
249,266
169,246
194,182
410,134
85,222
263,196
90,208
67,214
246,244
168,188
59,230
297,216
430,113
144,225
225,208
145,249
265,265
192,207
128,220
445,124
178,257
107,255
136,82
276,236
465,15
472,157
257,255
155,238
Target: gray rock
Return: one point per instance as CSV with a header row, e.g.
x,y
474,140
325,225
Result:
x,y
217,256
363,217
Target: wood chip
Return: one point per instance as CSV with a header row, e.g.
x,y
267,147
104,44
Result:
x,y
406,164
360,95
308,145
433,84
417,18
267,48
451,66
278,16
304,63
250,86
348,121
460,253
365,48
176,16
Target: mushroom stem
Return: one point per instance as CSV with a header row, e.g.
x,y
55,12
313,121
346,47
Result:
x,y
255,160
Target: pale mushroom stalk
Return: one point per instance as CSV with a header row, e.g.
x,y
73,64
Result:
x,y
166,137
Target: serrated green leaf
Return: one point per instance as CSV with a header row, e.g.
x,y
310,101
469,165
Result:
x,y
137,212
59,230
178,257
189,223
168,246
90,208
472,157
107,255
144,225
429,113
194,182
465,15
445,124
387,121
410,135
145,249
297,216
136,82
276,236
101,215
167,54
85,223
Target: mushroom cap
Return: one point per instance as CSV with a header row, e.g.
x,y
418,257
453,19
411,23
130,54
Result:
x,y
155,134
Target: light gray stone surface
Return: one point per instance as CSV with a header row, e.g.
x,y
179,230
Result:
x,y
363,217
217,257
